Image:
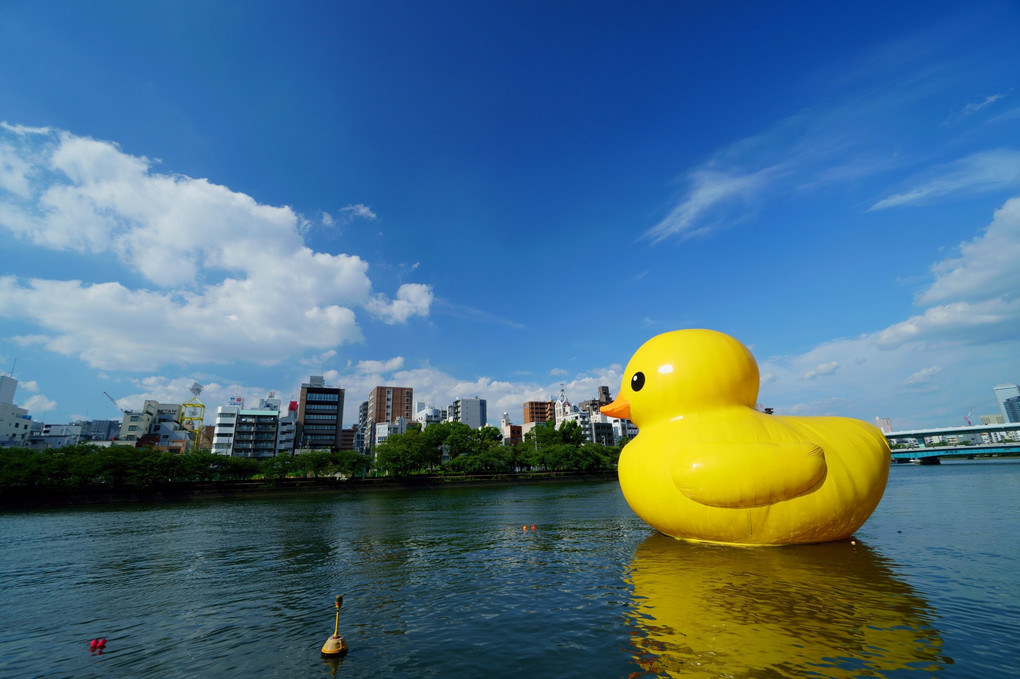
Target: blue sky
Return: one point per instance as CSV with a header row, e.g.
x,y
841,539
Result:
x,y
495,199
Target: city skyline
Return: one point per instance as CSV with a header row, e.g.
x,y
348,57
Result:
x,y
491,200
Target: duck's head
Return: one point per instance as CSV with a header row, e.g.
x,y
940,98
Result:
x,y
685,371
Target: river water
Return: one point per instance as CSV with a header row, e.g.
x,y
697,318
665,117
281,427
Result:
x,y
447,583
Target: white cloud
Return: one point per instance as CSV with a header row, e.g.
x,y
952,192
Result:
x,y
979,172
226,275
379,367
961,322
358,211
923,376
975,106
823,369
986,267
413,299
710,190
471,313
326,219
558,372
39,404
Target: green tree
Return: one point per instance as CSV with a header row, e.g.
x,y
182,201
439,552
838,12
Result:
x,y
350,463
395,457
275,468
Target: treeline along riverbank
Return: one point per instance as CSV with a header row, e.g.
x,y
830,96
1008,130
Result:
x,y
441,455
18,498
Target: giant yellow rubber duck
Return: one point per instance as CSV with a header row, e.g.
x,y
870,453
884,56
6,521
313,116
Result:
x,y
706,465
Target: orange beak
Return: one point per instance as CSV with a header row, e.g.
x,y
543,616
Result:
x,y
619,408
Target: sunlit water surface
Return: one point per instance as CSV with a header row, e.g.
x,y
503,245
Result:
x,y
447,583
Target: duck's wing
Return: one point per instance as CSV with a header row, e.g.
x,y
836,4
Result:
x,y
747,474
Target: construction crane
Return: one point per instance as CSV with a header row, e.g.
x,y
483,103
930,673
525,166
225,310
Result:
x,y
114,402
966,418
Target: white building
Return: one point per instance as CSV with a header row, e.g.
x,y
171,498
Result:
x,y
8,385
15,422
138,423
58,435
287,433
427,415
1004,392
469,411
254,432
15,425
383,430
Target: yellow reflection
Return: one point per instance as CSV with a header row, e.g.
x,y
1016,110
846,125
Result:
x,y
827,610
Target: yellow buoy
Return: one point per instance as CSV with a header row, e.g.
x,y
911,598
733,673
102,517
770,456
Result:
x,y
336,645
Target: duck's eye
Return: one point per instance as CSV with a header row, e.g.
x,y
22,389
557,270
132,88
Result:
x,y
637,381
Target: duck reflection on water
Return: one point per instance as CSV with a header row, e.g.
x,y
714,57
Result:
x,y
829,610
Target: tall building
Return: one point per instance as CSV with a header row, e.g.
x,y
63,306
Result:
x,y
139,423
1004,392
8,385
361,437
260,432
539,411
15,422
246,432
1012,408
287,430
320,415
884,423
386,404
469,411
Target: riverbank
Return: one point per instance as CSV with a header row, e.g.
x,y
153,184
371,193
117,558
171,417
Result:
x,y
184,492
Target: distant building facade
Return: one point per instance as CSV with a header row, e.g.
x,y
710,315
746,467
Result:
x,y
539,411
1004,392
319,415
138,423
469,411
15,422
100,430
426,415
602,399
386,405
1012,407
512,433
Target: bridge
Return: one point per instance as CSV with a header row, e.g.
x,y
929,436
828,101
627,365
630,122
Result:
x,y
976,434
933,453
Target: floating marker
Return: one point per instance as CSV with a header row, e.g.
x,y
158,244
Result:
x,y
336,645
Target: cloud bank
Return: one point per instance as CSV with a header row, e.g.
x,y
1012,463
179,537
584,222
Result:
x,y
217,275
